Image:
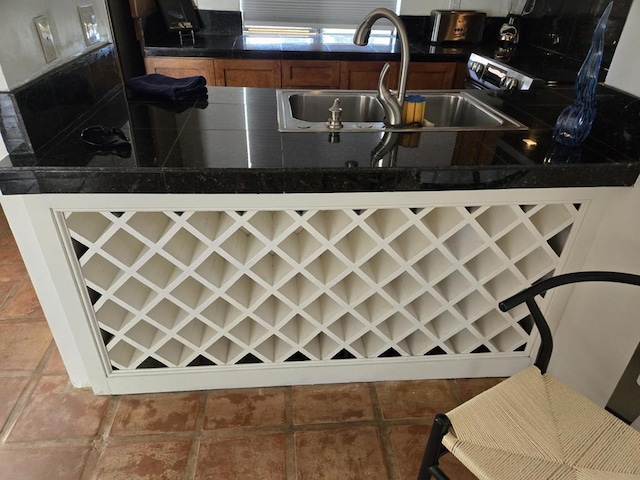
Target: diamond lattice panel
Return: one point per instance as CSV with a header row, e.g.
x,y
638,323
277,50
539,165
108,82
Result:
x,y
176,289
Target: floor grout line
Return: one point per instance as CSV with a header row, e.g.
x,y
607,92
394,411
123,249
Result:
x,y
192,459
16,374
457,393
46,358
108,417
91,463
289,439
202,410
383,435
58,442
18,285
35,319
151,438
101,437
25,396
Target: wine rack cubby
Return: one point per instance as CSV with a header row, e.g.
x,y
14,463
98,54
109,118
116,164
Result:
x,y
186,289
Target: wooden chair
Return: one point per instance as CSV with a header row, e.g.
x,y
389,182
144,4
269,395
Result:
x,y
532,426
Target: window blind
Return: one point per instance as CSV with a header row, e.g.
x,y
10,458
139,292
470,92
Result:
x,y
313,13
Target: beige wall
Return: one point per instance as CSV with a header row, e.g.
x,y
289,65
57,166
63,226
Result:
x,y
624,73
21,54
3,81
600,330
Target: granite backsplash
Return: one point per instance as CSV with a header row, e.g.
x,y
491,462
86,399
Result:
x,y
566,26
34,114
224,23
212,22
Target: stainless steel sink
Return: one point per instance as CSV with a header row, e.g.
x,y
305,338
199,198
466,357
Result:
x,y
313,107
308,111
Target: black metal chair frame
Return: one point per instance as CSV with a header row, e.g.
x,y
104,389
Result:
x,y
441,424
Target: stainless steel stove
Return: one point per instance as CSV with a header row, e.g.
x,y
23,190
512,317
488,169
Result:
x,y
485,73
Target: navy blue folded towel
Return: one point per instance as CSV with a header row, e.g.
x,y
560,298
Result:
x,y
175,89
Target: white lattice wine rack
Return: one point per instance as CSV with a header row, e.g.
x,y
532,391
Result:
x,y
193,288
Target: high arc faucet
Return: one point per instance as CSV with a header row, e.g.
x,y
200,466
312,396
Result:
x,y
392,106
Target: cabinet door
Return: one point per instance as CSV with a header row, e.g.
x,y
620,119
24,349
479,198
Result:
x,y
179,67
355,75
460,75
431,75
247,73
310,74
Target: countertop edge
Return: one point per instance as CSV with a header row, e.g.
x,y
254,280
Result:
x,y
43,180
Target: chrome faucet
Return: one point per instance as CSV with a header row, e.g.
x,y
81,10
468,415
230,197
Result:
x,y
392,106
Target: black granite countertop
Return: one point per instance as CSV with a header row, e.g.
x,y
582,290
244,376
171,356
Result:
x,y
222,36
303,47
550,66
231,144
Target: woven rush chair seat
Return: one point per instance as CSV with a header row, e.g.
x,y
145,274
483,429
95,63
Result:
x,y
533,426
552,432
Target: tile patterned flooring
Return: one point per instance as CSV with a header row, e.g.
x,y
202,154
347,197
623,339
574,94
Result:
x,y
50,430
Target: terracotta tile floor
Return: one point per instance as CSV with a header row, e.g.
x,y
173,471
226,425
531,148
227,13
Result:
x,y
49,430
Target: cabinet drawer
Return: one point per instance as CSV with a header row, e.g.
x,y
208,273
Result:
x,y
431,75
310,74
364,75
247,73
178,67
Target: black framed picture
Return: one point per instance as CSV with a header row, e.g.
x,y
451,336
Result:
x,y
179,15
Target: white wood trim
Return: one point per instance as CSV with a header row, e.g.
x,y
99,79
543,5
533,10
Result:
x,y
297,373
45,246
578,245
37,237
357,200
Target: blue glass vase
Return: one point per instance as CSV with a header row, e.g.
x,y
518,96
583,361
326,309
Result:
x,y
574,123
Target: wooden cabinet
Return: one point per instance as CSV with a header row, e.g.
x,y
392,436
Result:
x,y
179,67
348,75
430,75
363,75
460,75
221,72
310,74
247,73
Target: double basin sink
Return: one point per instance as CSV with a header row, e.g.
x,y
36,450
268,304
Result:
x,y
308,111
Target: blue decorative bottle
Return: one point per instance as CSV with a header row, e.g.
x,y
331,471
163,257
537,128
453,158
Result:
x,y
574,123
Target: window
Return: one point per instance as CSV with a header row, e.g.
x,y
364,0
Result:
x,y
313,14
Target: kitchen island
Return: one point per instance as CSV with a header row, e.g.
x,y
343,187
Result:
x,y
220,252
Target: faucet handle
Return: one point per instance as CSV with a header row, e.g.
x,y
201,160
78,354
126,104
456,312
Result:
x,y
383,77
390,103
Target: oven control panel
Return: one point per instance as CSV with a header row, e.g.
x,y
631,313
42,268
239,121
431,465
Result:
x,y
490,74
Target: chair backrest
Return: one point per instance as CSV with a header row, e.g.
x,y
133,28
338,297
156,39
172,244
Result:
x,y
527,296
